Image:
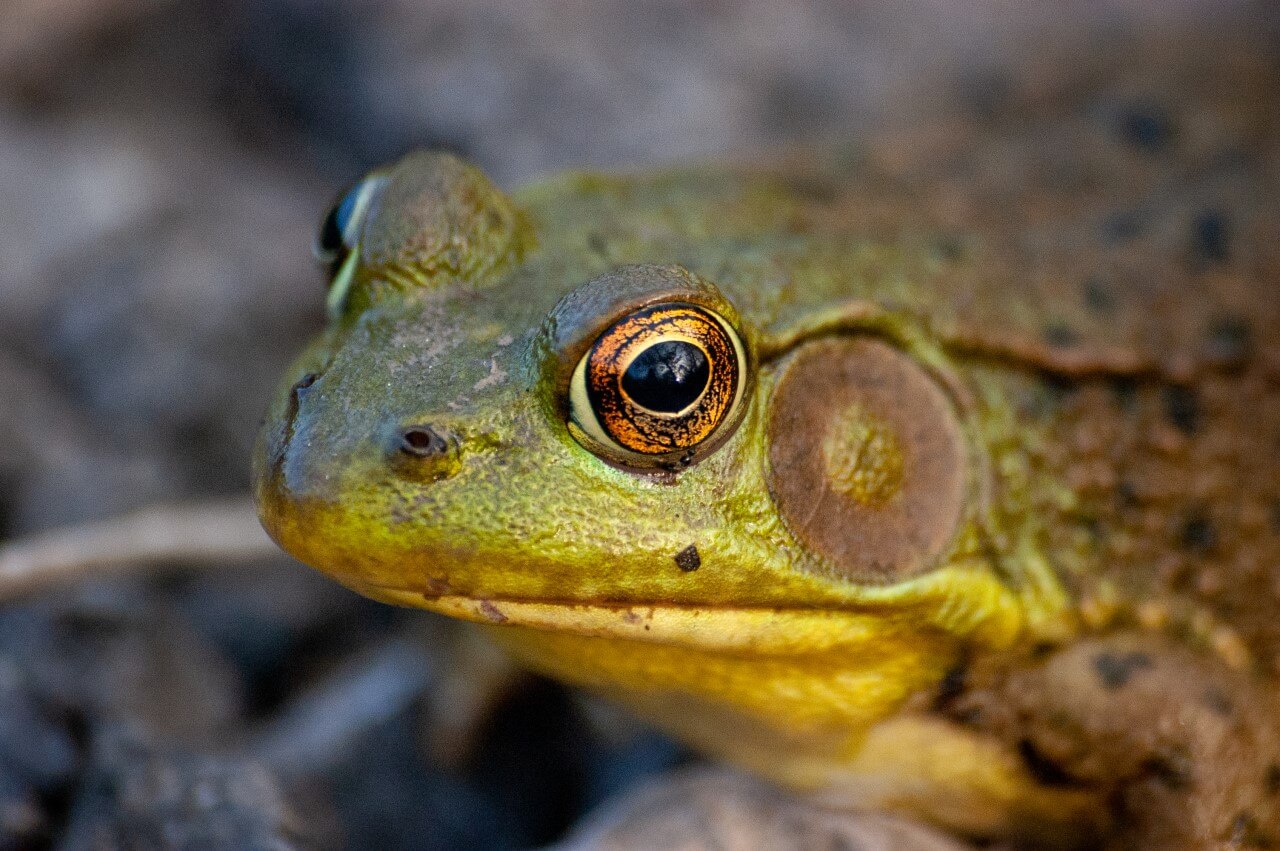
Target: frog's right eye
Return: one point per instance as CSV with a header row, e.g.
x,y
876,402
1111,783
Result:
x,y
661,387
339,237
650,366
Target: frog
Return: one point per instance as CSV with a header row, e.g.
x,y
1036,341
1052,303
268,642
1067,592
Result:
x,y
932,472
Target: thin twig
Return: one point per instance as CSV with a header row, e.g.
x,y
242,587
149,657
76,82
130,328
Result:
x,y
204,533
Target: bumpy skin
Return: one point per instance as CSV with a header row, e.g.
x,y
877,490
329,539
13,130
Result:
x,y
1089,311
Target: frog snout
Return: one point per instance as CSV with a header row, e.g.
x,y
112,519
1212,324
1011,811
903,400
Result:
x,y
309,460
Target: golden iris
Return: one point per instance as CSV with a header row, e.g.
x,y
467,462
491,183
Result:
x,y
659,382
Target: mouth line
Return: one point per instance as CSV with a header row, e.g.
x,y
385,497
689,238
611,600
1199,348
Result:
x,y
771,629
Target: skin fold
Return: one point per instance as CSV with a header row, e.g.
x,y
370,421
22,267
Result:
x,y
998,475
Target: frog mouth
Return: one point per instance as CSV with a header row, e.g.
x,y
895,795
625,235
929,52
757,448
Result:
x,y
756,629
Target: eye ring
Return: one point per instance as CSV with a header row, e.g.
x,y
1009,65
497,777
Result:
x,y
662,386
339,237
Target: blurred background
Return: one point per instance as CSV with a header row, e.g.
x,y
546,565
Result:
x,y
163,167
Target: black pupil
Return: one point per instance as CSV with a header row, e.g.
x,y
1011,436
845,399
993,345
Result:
x,y
667,377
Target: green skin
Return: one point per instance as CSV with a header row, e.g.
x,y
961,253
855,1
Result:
x,y
466,311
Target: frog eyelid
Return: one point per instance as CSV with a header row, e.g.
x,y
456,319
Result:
x,y
336,299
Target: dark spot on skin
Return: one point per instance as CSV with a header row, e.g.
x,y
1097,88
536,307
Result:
x,y
422,441
1116,669
1126,393
1182,407
953,684
1275,516
1094,529
1174,769
492,612
1119,228
597,243
1127,494
1060,336
1042,768
1218,701
1062,389
1210,237
688,559
949,248
1271,779
1041,650
1230,342
1146,126
631,617
1199,534
1098,296
1247,833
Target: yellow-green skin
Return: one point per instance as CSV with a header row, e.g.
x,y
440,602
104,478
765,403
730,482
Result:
x,y
765,655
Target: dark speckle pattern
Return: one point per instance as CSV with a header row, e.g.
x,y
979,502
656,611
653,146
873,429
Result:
x,y
1182,408
1230,342
1271,780
1098,295
1198,533
1211,237
1060,336
1146,126
1116,669
1173,768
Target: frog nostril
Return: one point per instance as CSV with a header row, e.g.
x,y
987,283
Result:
x,y
303,383
294,403
423,441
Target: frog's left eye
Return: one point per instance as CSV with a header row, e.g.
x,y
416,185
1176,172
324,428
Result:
x,y
339,236
660,387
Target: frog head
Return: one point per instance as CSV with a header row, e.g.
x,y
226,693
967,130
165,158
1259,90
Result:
x,y
576,417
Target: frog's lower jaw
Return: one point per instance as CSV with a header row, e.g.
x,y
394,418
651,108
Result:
x,y
811,698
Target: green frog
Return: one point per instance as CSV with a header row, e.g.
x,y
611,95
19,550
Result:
x,y
933,473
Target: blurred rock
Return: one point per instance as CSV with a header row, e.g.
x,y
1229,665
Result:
x,y
391,798
158,288
38,34
126,666
527,88
323,725
278,623
175,800
711,809
52,466
38,758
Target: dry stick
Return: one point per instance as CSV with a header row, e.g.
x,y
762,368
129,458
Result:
x,y
226,531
